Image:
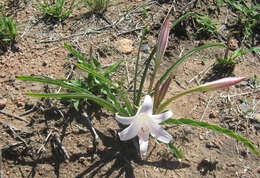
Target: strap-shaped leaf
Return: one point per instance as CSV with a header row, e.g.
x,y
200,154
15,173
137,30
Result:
x,y
58,82
75,53
175,150
106,81
112,68
109,106
137,61
97,75
180,19
214,128
147,64
188,54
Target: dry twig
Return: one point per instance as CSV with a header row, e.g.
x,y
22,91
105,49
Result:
x,y
44,143
12,129
61,147
14,116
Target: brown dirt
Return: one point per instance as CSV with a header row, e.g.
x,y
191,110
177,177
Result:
x,y
39,51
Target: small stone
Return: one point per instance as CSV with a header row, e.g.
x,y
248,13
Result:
x,y
188,130
145,48
3,102
125,46
244,107
258,170
233,43
201,137
243,83
213,114
44,64
231,164
211,145
90,147
257,117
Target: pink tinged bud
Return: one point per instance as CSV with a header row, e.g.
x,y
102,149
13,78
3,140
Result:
x,y
163,38
218,84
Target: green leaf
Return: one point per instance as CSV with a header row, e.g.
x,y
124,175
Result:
x,y
180,19
147,64
175,150
106,81
188,54
97,75
214,128
96,63
109,106
75,53
59,82
112,68
137,61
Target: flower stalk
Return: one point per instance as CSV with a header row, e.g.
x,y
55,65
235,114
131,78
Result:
x,y
215,85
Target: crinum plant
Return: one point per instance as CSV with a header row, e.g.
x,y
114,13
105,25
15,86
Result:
x,y
147,118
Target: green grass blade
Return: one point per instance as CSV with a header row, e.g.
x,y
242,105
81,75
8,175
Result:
x,y
113,99
112,68
101,77
180,19
75,53
58,82
137,61
175,150
123,94
109,106
147,64
188,54
214,128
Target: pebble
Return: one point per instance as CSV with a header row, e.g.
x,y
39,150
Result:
x,y
212,145
213,114
201,137
125,46
257,117
145,48
258,170
3,102
188,130
243,83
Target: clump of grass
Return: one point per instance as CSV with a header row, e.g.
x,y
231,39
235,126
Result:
x,y
205,24
248,18
8,30
97,6
55,8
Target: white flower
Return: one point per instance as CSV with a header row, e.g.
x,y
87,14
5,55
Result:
x,y
143,123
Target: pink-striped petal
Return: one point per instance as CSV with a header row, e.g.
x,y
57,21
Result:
x,y
129,132
221,83
147,106
124,120
143,136
161,117
163,38
160,134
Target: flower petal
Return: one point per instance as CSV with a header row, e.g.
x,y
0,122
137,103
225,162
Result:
x,y
124,120
143,136
161,117
129,132
147,106
221,83
159,133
